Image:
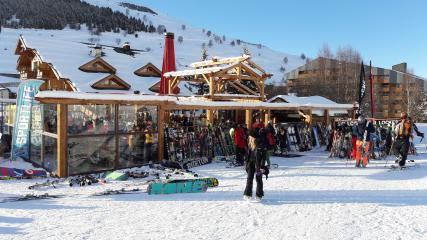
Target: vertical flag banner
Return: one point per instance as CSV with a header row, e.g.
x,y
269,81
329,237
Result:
x,y
23,118
371,76
362,87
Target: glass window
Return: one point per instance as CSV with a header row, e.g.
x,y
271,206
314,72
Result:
x,y
36,134
90,119
90,154
50,118
137,149
135,118
50,154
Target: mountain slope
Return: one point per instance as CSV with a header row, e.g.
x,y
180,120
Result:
x,y
187,51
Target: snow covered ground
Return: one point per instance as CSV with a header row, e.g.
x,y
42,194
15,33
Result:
x,y
310,197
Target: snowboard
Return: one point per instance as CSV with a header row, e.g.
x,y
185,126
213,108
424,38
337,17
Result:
x,y
196,162
16,172
177,186
210,181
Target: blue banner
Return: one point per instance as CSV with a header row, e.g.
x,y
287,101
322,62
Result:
x,y
23,118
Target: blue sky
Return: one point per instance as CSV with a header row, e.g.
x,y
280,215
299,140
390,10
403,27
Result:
x,y
386,32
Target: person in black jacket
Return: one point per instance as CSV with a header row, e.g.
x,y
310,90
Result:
x,y
255,167
363,144
283,141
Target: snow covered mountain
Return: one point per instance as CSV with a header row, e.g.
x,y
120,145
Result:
x,y
189,42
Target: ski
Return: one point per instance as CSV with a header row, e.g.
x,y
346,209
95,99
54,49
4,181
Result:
x,y
29,197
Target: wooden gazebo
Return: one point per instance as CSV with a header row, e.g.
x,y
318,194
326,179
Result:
x,y
229,79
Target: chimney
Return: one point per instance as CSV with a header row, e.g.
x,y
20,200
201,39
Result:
x,y
98,50
401,67
168,64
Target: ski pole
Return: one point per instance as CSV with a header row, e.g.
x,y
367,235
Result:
x,y
392,145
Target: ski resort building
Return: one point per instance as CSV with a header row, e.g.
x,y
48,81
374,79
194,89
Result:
x,y
98,112
339,81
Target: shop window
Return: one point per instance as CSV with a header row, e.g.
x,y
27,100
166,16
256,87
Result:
x,y
90,119
138,135
50,154
36,134
134,149
50,118
135,118
90,154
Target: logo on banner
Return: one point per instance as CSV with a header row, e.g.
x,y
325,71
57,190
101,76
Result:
x,y
27,117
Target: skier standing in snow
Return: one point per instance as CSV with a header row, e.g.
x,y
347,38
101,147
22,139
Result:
x,y
253,168
363,144
403,132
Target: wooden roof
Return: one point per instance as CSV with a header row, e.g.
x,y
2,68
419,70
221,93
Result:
x,y
148,70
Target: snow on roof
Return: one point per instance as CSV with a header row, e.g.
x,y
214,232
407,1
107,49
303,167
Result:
x,y
318,104
194,71
68,55
303,100
184,101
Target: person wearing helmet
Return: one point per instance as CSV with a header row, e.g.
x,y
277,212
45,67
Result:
x,y
403,132
363,131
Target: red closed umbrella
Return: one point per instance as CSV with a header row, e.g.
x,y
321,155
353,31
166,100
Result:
x,y
168,62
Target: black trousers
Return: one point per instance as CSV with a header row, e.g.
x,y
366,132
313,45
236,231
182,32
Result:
x,y
240,155
401,147
251,170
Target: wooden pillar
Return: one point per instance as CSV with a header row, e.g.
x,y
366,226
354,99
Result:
x,y
161,133
261,90
211,87
326,117
248,119
62,122
310,117
267,114
209,116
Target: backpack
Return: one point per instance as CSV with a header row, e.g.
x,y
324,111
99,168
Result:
x,y
271,139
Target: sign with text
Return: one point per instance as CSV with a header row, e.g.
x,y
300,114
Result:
x,y
28,113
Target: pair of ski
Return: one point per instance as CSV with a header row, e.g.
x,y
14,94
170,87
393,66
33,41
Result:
x,y
401,168
29,197
48,183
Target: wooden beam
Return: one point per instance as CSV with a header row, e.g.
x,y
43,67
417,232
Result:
x,y
205,78
244,87
239,88
62,145
252,72
252,63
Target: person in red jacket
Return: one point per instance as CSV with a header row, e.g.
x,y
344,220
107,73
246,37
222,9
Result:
x,y
240,142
